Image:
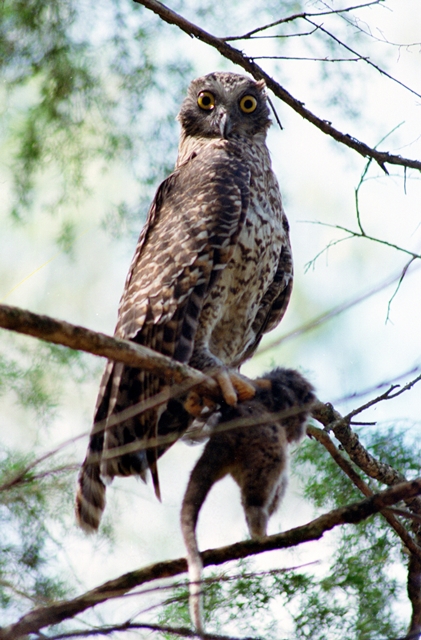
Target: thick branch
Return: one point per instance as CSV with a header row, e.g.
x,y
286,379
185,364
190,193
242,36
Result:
x,y
333,421
236,56
99,344
314,530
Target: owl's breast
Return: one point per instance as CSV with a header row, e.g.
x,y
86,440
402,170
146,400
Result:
x,y
234,302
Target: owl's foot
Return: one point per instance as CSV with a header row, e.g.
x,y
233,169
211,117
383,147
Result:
x,y
234,387
196,403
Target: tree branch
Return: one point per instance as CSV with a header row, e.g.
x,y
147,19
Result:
x,y
323,437
298,16
99,344
340,308
354,513
181,632
236,56
334,421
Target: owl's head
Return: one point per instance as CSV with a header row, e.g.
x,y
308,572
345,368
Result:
x,y
222,104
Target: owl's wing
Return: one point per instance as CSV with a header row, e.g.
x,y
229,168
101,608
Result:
x,y
191,230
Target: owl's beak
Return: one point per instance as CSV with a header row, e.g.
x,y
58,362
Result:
x,y
225,124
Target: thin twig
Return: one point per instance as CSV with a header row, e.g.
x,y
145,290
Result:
x,y
363,176
367,60
307,59
359,234
181,632
298,16
335,311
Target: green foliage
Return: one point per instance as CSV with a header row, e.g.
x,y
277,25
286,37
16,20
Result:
x,y
78,97
36,372
32,505
241,601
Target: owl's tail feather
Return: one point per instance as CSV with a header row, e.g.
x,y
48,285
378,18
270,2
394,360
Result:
x,y
153,468
90,498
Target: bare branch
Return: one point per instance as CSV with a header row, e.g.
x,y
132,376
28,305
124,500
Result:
x,y
99,344
309,59
362,234
298,16
398,286
278,35
333,421
236,56
386,383
366,59
387,395
354,513
181,632
364,174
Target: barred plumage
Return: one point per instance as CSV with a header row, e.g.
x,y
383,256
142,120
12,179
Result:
x,y
211,273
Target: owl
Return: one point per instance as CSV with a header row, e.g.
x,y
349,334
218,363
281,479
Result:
x,y
212,272
255,455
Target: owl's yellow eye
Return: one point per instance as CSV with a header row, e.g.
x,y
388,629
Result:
x,y
206,100
248,104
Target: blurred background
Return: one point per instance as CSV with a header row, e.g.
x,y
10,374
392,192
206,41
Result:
x,y
88,100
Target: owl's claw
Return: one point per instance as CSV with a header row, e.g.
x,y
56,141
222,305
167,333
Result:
x,y
196,403
226,385
234,387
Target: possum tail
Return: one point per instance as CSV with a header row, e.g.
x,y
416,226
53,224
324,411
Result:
x,y
203,477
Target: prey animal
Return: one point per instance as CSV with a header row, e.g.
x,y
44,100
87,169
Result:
x,y
250,443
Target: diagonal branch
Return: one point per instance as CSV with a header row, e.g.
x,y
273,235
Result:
x,y
360,57
354,513
99,344
236,56
335,311
323,437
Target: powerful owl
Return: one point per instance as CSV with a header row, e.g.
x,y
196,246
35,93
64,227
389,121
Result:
x,y
212,273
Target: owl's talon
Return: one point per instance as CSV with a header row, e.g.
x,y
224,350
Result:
x,y
245,389
195,404
234,387
223,378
